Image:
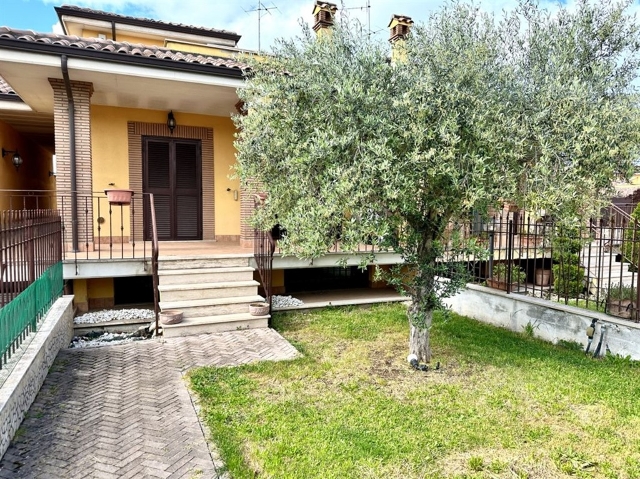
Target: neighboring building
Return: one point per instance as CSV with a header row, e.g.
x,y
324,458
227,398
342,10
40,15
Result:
x,y
152,103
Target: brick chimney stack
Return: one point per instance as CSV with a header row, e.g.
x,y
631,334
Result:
x,y
323,14
399,28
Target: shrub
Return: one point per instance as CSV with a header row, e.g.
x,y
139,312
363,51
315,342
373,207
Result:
x,y
567,272
621,292
500,271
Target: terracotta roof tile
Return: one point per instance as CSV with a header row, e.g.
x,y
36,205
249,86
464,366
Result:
x,y
118,48
159,23
5,88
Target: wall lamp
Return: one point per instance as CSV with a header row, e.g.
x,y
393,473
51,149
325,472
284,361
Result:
x,y
16,159
171,121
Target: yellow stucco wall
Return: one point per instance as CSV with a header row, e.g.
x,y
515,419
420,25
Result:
x,y
110,152
95,293
123,37
157,41
34,172
80,298
100,288
202,49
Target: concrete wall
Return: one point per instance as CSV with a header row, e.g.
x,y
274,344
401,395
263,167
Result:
x,y
24,382
551,321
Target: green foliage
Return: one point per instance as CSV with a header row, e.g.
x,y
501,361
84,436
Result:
x,y
529,330
621,292
536,107
501,271
567,273
476,463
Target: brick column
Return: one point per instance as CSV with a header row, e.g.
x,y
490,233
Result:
x,y
82,92
247,205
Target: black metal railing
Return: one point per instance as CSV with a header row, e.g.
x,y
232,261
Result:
x,y
30,273
593,265
264,247
105,231
155,251
30,243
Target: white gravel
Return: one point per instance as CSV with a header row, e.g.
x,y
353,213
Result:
x,y
114,315
103,340
285,301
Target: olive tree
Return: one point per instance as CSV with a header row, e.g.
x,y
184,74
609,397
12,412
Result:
x,y
533,107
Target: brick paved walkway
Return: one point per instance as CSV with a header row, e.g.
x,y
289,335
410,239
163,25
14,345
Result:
x,y
124,411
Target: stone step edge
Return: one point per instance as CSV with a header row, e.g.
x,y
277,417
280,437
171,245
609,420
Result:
x,y
223,318
205,256
200,286
195,303
226,269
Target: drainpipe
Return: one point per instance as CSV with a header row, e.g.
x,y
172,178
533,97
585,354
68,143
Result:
x,y
72,154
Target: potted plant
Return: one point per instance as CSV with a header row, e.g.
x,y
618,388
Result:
x,y
543,277
499,278
528,240
117,196
621,300
259,309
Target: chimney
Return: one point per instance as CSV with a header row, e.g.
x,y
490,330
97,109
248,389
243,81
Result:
x,y
323,14
399,28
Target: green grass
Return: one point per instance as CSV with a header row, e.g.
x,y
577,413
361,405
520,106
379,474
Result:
x,y
503,405
581,303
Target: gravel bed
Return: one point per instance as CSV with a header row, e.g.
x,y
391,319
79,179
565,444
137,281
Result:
x,y
285,301
104,339
114,315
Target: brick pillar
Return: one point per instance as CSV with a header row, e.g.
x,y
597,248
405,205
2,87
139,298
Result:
x,y
247,205
82,92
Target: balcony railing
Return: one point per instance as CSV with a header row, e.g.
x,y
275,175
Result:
x,y
103,231
30,273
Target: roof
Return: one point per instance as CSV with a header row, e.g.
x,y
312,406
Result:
x,y
82,12
119,51
5,88
6,92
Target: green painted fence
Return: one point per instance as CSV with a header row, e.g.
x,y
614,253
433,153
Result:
x,y
23,314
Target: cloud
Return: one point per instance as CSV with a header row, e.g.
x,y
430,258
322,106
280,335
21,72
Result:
x,y
57,28
283,22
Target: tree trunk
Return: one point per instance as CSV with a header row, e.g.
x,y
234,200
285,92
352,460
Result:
x,y
420,326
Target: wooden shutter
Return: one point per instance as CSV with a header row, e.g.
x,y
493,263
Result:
x,y
173,174
188,191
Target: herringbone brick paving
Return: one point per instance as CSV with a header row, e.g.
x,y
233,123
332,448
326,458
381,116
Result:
x,y
125,412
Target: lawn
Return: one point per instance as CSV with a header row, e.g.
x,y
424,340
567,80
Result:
x,y
502,405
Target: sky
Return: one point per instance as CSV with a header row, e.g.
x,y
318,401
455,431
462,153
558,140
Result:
x,y
280,21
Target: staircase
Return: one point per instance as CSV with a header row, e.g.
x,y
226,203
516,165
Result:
x,y
212,291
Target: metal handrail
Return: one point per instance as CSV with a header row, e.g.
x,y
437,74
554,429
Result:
x,y
264,247
154,260
620,211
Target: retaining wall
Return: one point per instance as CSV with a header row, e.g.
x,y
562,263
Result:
x,y
550,321
21,387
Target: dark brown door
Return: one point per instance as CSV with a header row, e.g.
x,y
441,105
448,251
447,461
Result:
x,y
173,173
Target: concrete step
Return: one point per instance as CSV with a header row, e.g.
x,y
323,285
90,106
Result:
x,y
204,275
196,308
203,261
227,289
215,324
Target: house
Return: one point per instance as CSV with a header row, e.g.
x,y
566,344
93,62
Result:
x,y
136,104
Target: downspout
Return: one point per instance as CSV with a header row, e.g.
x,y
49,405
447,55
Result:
x,y
72,153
